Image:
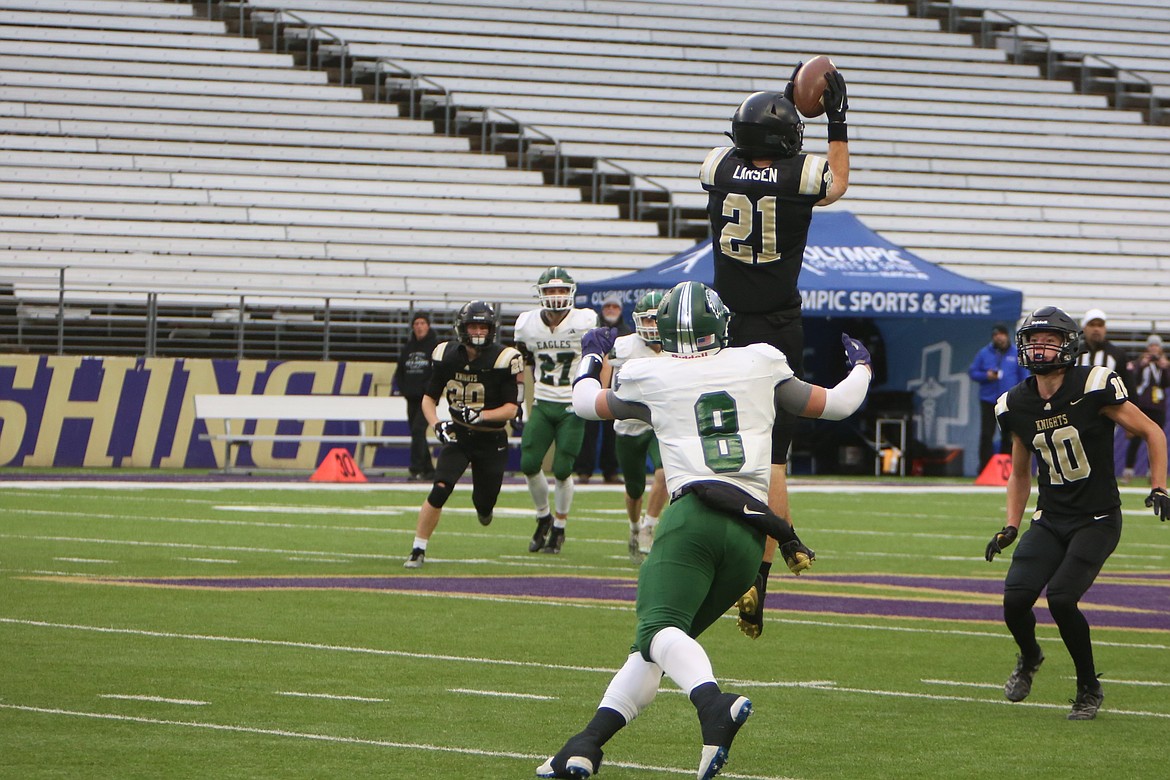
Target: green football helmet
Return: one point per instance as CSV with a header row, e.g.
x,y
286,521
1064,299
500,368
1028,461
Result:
x,y
556,289
646,316
692,320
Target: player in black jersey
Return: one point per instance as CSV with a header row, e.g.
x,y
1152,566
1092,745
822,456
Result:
x,y
478,378
1065,416
760,197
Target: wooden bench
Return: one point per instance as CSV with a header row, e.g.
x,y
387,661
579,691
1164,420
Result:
x,y
369,411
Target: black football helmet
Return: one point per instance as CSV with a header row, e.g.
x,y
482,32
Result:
x,y
766,126
1035,357
476,311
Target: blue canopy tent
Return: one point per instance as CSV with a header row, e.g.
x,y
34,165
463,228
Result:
x,y
930,321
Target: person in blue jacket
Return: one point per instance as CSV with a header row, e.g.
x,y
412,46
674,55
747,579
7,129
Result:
x,y
997,370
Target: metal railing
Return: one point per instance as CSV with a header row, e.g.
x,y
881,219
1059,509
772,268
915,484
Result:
x,y
636,198
42,311
488,136
1121,75
382,91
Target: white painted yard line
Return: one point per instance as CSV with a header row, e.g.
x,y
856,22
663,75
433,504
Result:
x,y
503,694
317,560
188,546
471,659
208,560
1000,701
84,560
960,683
159,699
285,509
1104,680
330,696
351,740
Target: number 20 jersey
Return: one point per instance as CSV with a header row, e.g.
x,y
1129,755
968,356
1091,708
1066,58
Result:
x,y
713,414
1072,440
759,223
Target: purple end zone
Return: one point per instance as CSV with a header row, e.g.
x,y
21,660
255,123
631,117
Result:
x,y
1126,604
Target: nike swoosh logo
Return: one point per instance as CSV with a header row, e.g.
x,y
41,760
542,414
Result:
x,y
747,511
1100,517
1074,403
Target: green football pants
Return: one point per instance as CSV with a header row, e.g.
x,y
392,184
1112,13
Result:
x,y
702,561
548,423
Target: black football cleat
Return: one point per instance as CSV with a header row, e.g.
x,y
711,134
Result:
x,y
1019,684
579,758
556,540
543,526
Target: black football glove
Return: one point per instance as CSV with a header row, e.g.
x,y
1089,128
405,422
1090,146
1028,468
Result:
x,y
472,416
836,101
598,341
855,352
791,80
1159,499
751,606
1000,542
445,431
518,421
797,556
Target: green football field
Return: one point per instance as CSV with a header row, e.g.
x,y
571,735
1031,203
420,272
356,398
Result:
x,y
269,630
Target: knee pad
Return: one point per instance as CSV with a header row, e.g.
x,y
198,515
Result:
x,y
439,494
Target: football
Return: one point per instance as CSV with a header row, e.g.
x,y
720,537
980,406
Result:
x,y
808,87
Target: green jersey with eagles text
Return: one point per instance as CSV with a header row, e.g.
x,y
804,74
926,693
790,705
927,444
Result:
x,y
759,223
555,351
1072,440
712,413
625,349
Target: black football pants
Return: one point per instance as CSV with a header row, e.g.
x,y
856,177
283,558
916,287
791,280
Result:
x,y
1065,554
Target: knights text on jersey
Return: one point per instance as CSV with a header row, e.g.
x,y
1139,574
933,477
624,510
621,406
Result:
x,y
555,351
1072,440
625,349
759,221
488,382
712,415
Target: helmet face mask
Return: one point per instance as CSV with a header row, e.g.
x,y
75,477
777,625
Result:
x,y
473,313
646,317
556,289
1044,356
692,321
767,126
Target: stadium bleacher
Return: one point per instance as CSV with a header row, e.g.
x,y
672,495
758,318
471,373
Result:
x,y
145,145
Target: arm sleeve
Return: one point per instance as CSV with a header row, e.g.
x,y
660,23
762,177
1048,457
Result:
x,y
585,393
844,399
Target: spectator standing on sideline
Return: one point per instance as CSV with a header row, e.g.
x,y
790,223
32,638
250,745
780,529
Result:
x,y
477,376
411,376
997,369
712,408
1151,376
1100,351
1064,415
550,338
611,317
761,192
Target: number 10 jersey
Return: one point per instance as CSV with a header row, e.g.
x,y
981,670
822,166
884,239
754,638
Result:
x,y
1072,440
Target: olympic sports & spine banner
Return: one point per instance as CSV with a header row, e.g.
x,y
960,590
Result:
x,y
111,412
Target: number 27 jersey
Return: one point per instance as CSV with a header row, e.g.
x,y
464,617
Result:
x,y
1071,439
556,351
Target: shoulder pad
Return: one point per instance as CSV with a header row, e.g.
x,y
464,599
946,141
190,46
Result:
x,y
1001,404
509,358
714,157
1098,379
440,350
812,174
